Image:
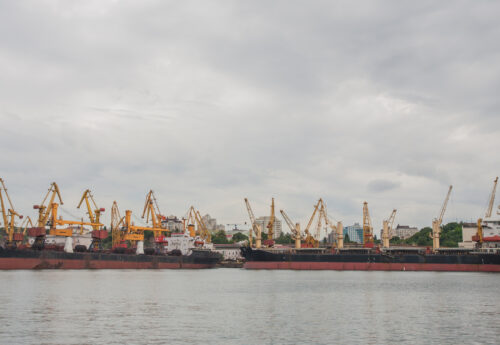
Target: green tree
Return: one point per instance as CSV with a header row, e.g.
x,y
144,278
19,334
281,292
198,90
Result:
x,y
220,237
238,237
347,239
284,238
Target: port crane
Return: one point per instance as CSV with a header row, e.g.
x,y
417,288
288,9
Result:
x,y
387,225
270,226
255,230
47,217
436,222
367,227
337,229
194,216
489,209
152,211
319,210
9,218
295,229
98,234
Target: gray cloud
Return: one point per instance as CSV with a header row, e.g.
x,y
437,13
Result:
x,y
208,103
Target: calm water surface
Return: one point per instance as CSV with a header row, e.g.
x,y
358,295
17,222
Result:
x,y
233,306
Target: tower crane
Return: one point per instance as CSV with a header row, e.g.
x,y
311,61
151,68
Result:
x,y
98,234
436,222
367,227
9,218
387,229
256,229
295,229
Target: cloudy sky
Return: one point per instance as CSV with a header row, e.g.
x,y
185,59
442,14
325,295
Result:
x,y
208,102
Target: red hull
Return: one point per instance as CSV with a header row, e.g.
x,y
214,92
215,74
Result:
x,y
364,266
35,263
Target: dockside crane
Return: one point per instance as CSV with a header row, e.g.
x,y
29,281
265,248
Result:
x,y
9,218
270,227
387,229
194,217
98,234
436,222
310,240
152,211
204,233
489,210
47,217
255,230
367,227
338,229
117,228
295,229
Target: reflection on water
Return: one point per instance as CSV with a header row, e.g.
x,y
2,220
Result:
x,y
233,306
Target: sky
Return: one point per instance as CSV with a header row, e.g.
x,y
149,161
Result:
x,y
209,102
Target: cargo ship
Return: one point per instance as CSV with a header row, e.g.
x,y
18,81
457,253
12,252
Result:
x,y
373,259
18,259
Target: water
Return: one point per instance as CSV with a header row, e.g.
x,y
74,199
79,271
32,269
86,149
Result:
x,y
234,306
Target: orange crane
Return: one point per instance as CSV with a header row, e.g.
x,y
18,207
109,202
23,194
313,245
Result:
x,y
193,216
436,222
387,229
204,233
310,240
47,217
367,227
117,228
256,229
295,229
98,234
152,211
9,218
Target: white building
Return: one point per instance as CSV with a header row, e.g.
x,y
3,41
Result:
x,y
264,220
404,231
230,252
468,230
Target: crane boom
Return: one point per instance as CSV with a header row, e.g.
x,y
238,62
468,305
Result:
x,y
297,236
255,227
94,215
492,199
9,212
367,227
445,203
288,221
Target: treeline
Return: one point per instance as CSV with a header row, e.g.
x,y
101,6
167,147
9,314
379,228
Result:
x,y
451,235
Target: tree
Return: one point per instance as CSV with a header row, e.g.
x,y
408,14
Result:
x,y
220,237
347,239
238,237
284,238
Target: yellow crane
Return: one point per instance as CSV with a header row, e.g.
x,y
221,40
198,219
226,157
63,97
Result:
x,y
436,222
117,228
387,229
270,225
94,215
295,229
9,218
367,227
204,232
338,229
311,240
479,234
98,234
256,229
194,217
152,211
47,217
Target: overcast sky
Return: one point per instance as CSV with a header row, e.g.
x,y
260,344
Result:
x,y
208,102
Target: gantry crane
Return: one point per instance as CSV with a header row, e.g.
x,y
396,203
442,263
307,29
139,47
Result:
x,y
256,229
436,222
295,229
367,227
98,234
479,234
9,218
387,229
47,217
